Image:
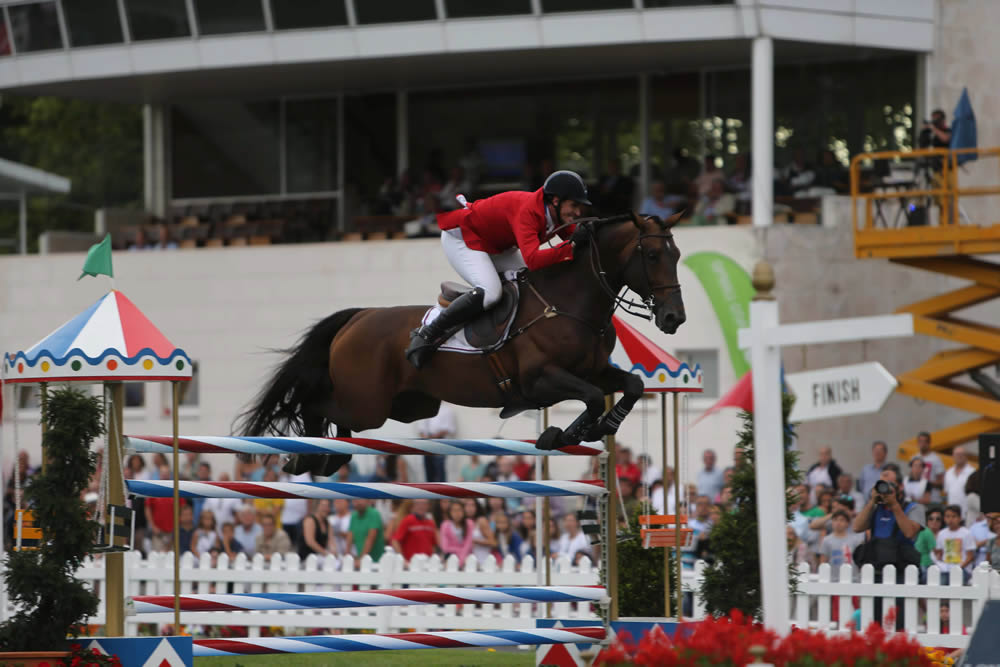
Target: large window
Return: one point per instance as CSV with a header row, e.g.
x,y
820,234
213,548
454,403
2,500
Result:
x,y
92,22
288,14
229,148
35,26
584,5
217,18
394,11
157,19
471,8
311,145
226,148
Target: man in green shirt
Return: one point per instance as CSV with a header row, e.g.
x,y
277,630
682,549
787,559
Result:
x,y
366,529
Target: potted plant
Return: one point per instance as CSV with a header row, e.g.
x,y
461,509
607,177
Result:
x,y
52,604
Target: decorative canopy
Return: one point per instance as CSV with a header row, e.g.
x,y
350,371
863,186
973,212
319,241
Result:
x,y
110,341
660,372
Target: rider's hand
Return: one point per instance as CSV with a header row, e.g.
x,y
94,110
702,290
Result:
x,y
580,236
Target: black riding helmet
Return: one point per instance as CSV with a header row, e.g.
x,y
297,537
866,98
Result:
x,y
566,185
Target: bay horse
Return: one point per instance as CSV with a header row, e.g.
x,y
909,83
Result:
x,y
349,370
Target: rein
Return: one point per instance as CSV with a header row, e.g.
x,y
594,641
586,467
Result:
x,y
641,309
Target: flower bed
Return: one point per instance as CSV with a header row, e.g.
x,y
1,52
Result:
x,y
729,640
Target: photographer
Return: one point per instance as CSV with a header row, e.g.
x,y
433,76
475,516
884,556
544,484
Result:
x,y
936,133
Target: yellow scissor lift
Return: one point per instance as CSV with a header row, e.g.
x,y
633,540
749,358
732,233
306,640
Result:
x,y
946,245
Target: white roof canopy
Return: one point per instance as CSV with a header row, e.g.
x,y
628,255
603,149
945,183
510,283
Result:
x,y
18,178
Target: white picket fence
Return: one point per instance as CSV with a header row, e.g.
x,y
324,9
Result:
x,y
812,606
154,576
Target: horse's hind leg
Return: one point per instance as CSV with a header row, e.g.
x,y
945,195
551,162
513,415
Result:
x,y
333,462
321,465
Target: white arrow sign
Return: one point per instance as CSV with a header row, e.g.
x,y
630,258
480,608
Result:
x,y
837,392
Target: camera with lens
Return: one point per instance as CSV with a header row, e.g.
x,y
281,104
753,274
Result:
x,y
925,138
884,488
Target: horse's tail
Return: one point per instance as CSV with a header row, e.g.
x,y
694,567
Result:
x,y
299,386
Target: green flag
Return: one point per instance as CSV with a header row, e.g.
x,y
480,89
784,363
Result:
x,y
98,260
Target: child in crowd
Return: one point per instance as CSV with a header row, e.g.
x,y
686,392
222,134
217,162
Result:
x,y
508,541
456,533
955,544
837,547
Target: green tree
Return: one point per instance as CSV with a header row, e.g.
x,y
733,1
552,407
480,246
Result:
x,y
52,602
640,575
97,145
732,581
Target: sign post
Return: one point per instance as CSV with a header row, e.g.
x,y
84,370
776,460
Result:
x,y
765,337
841,391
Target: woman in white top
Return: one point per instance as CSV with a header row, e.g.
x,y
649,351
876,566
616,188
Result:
x,y
340,526
915,485
573,542
206,536
483,539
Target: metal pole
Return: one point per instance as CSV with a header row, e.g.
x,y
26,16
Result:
x,y
762,120
677,509
611,547
546,548
22,224
177,509
402,132
769,450
114,562
643,136
663,477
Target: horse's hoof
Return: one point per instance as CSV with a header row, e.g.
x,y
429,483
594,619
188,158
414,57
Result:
x,y
297,465
331,464
551,438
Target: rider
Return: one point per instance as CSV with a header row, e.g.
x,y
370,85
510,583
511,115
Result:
x,y
499,233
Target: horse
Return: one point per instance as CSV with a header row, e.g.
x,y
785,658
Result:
x,y
349,371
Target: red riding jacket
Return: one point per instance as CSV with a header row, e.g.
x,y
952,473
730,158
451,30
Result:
x,y
506,220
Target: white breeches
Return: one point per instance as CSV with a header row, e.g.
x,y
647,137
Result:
x,y
478,268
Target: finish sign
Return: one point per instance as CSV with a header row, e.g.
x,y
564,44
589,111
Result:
x,y
841,391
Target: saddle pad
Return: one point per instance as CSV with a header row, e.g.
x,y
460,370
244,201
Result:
x,y
459,342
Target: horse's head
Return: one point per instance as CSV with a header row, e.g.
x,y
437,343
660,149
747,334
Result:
x,y
651,270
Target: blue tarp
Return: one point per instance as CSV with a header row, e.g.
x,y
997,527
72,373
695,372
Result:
x,y
963,128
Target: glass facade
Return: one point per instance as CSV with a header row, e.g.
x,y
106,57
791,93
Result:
x,y
224,148
584,5
219,18
289,14
92,22
157,19
394,11
35,26
311,145
472,8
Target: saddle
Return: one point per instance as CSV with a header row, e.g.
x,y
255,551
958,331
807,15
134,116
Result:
x,y
490,329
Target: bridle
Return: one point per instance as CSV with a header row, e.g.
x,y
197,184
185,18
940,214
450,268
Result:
x,y
644,308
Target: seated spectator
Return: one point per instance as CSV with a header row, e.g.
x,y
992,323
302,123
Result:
x,y
473,470
701,524
186,533
315,537
164,242
630,500
456,533
714,207
247,530
825,471
664,500
982,533
456,185
554,537
573,542
416,533
483,539
797,551
824,505
224,509
227,544
508,540
709,176
916,485
272,506
140,242
955,544
160,520
993,547
366,530
739,179
523,468
933,466
626,467
136,470
837,547
824,523
658,203
650,473
206,537
527,531
926,541
340,526
272,539
955,479
830,174
845,487
797,176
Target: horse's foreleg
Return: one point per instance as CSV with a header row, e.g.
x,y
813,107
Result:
x,y
612,380
555,385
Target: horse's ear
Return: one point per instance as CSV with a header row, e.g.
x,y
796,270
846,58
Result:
x,y
672,220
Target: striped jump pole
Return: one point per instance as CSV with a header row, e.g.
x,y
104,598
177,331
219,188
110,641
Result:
x,y
154,604
207,444
374,490
411,640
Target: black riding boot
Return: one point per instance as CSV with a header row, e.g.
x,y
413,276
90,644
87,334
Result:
x,y
425,340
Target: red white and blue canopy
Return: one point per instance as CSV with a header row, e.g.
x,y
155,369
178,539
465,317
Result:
x,y
659,370
110,341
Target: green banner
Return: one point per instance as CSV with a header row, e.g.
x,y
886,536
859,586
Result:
x,y
730,291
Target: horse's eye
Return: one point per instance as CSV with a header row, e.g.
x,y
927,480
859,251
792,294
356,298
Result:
x,y
653,256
